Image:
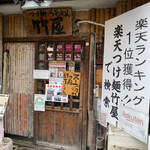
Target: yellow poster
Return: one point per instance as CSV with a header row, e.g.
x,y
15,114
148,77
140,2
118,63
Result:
x,y
71,83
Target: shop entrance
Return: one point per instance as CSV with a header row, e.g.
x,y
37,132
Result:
x,y
62,125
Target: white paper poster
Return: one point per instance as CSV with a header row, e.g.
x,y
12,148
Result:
x,y
41,74
39,102
134,122
101,116
54,93
126,76
3,104
56,69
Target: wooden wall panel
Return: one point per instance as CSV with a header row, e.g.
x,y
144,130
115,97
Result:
x,y
14,26
1,48
59,127
99,73
118,8
21,89
102,21
79,16
124,7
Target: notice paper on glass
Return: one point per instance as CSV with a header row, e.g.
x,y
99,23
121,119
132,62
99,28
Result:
x,y
39,102
54,93
41,74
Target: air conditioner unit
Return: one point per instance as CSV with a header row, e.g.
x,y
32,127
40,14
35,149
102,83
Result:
x,y
120,140
33,5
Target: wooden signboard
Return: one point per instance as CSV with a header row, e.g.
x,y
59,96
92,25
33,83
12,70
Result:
x,y
71,83
48,22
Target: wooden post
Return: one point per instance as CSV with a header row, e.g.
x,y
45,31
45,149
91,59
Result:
x,y
1,50
91,116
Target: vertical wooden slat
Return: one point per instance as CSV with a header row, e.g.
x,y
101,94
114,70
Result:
x,y
5,26
118,8
102,21
139,3
112,13
89,18
124,7
97,20
107,14
144,1
129,5
134,4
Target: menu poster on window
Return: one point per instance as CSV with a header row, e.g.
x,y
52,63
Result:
x,y
39,102
71,83
56,69
54,94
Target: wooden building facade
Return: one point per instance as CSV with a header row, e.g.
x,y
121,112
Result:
x,y
71,125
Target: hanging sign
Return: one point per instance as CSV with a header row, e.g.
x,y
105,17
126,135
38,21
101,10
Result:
x,y
71,83
126,76
48,22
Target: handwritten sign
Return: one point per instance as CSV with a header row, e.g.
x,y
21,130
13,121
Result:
x,y
125,73
71,83
46,22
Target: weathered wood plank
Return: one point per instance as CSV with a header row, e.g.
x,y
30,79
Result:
x,y
118,8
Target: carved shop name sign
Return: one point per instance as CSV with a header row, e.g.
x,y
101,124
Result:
x,y
48,22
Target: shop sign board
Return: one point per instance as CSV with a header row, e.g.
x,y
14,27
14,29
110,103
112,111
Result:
x,y
126,76
48,22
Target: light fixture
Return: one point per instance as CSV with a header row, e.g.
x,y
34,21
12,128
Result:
x,y
33,4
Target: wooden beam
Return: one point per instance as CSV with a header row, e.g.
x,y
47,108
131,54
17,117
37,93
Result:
x,y
38,39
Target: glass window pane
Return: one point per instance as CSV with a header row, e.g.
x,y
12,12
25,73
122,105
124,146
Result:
x,y
66,105
40,84
77,57
41,47
59,57
77,47
77,67
50,56
41,56
41,66
57,104
75,105
40,92
75,97
67,56
48,103
59,47
68,47
50,47
67,66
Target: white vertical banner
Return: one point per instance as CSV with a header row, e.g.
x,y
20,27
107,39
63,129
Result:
x,y
126,77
